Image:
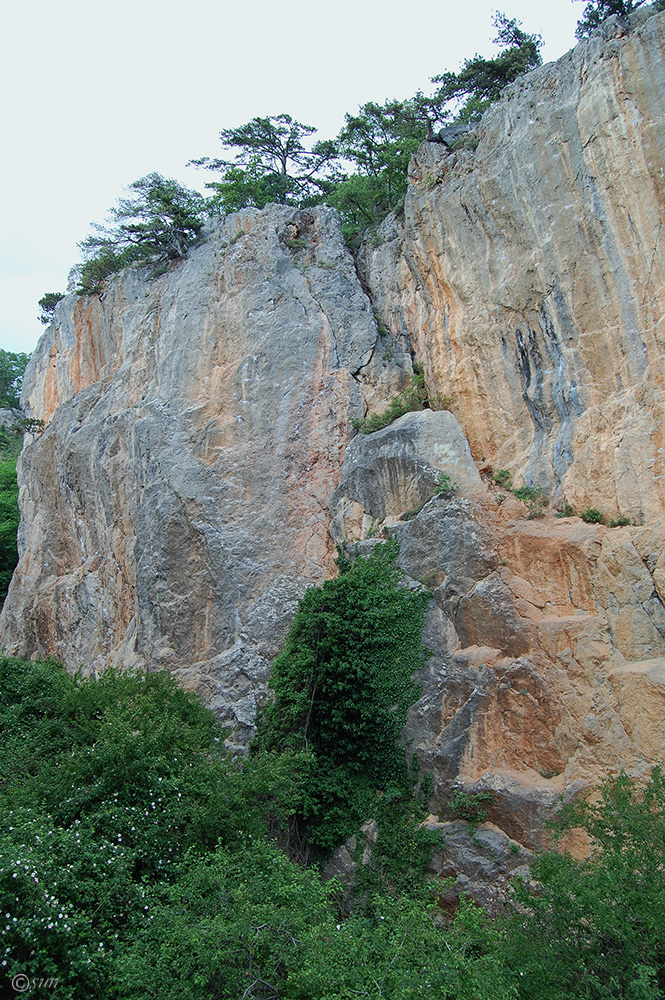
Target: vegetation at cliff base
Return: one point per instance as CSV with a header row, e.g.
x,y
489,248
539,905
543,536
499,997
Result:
x,y
12,369
9,522
594,928
137,858
343,684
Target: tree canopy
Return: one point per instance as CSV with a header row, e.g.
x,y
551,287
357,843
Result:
x,y
270,163
480,81
379,141
381,138
597,11
158,223
362,172
12,369
47,305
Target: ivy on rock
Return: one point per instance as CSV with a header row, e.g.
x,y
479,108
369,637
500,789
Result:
x,y
343,684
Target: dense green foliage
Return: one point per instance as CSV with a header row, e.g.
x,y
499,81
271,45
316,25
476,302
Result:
x,y
47,305
138,860
107,788
12,369
594,929
157,224
379,141
343,683
9,522
135,861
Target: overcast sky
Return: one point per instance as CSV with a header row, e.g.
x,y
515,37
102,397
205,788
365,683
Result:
x,y
98,95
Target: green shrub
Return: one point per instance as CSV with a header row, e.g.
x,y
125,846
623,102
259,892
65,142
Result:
x,y
231,922
619,522
471,806
445,484
594,928
503,478
343,683
528,493
591,515
414,397
135,860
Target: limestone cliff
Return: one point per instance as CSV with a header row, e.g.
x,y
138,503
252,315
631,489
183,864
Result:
x,y
530,274
175,507
547,635
199,463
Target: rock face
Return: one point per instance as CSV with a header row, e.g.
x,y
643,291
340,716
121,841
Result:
x,y
398,468
175,508
530,274
194,475
547,635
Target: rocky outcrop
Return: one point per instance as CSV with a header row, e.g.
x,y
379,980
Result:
x,y
547,634
529,274
398,469
199,441
175,507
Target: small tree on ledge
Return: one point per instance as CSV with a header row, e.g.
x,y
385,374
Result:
x,y
598,11
158,224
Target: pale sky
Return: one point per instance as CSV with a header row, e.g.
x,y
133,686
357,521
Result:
x,y
98,95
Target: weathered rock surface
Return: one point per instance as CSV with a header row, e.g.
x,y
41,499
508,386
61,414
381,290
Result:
x,y
398,469
547,635
179,500
175,507
530,274
478,863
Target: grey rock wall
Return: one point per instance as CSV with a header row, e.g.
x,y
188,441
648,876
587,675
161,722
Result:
x,y
529,274
175,507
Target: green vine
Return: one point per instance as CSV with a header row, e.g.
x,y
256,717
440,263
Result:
x,y
343,684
